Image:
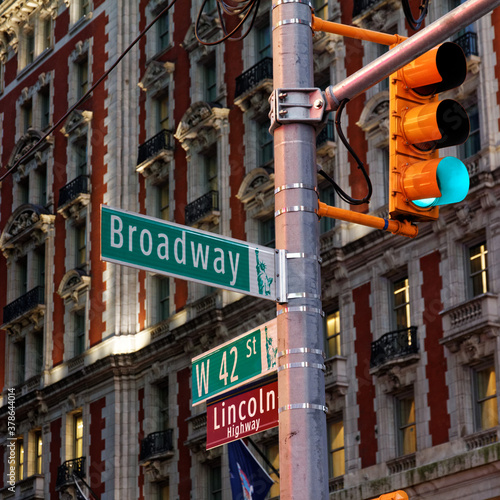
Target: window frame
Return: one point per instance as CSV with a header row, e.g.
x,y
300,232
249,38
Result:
x,y
479,401
336,337
483,254
395,307
403,427
332,451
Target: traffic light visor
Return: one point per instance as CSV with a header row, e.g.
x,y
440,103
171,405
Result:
x,y
439,69
436,182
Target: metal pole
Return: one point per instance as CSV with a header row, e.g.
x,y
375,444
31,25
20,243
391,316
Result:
x,y
301,382
408,50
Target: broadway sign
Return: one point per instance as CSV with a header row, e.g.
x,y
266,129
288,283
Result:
x,y
242,412
167,248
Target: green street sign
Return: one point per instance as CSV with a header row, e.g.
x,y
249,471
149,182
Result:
x,y
167,248
235,362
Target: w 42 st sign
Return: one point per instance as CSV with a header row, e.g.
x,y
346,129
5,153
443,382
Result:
x,y
174,250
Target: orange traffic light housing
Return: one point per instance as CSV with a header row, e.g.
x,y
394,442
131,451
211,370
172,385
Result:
x,y
420,125
395,495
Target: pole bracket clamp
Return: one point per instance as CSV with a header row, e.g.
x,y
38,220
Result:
x,y
297,105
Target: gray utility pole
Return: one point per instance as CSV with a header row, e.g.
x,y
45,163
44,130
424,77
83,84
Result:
x,y
301,381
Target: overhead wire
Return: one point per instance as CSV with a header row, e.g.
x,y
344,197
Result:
x,y
415,24
342,194
86,95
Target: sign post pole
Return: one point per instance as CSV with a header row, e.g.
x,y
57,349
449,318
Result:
x,y
301,381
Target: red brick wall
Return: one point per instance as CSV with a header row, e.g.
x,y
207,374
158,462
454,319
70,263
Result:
x,y
436,368
367,420
55,455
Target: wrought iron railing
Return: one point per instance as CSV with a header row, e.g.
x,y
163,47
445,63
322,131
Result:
x,y
202,206
362,5
393,345
80,185
468,42
67,469
156,443
252,76
161,141
327,134
23,304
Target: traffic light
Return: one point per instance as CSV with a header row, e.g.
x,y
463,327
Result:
x,y
420,124
395,495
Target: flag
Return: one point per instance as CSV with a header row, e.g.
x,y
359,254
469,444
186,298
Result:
x,y
249,480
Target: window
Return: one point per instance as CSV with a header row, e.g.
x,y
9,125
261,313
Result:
x,y
80,156
405,417
263,42
20,364
38,452
19,459
211,181
161,112
77,435
472,145
80,245
163,407
47,33
478,269
163,492
164,201
215,483
38,362
22,268
30,46
42,184
327,195
265,144
273,455
163,32
321,9
82,75
79,329
210,77
27,112
39,257
267,232
401,304
45,108
336,453
485,392
84,8
332,332
163,298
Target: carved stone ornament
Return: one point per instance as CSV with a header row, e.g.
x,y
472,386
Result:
x,y
194,130
375,116
379,16
73,285
77,123
157,76
209,27
26,228
256,182
23,147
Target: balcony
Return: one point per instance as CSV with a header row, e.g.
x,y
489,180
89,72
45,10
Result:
x,y
158,147
31,488
468,42
69,468
394,345
74,196
31,302
203,210
256,80
157,445
336,380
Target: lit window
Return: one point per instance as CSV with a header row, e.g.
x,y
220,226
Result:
x,y
78,435
405,416
38,452
163,492
162,112
20,459
401,304
273,455
336,453
478,269
485,390
332,332
164,201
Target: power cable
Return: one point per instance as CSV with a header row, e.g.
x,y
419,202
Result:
x,y
415,24
86,95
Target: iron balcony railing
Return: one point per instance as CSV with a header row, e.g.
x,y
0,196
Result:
x,y
468,42
251,77
67,469
80,185
394,345
205,204
159,142
361,5
156,443
23,304
327,134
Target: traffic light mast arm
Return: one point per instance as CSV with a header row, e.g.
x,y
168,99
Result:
x,y
319,24
404,228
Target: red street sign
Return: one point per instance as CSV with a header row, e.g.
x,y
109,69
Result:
x,y
245,411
